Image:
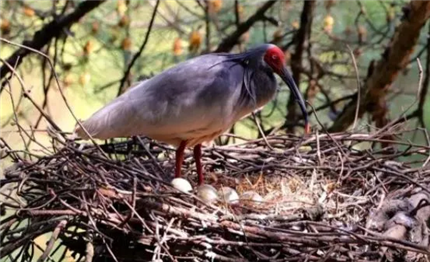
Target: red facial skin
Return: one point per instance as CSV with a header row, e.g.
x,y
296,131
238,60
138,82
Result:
x,y
275,58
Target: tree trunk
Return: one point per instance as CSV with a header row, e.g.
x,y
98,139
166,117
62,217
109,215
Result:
x,y
394,59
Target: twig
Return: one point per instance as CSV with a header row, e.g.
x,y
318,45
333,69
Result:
x,y
357,109
236,13
261,130
27,95
426,83
208,26
52,240
137,55
47,33
59,88
229,42
302,36
15,114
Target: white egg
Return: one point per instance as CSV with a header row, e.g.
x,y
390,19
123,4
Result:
x,y
251,197
228,195
182,185
207,193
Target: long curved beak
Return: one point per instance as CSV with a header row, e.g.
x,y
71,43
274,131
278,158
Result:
x,y
288,79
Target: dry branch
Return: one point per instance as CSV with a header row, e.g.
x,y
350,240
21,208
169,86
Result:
x,y
394,59
315,199
47,33
139,53
229,42
301,41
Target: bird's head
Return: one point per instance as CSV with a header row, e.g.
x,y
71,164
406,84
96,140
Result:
x,y
275,59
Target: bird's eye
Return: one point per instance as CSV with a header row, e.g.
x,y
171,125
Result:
x,y
274,57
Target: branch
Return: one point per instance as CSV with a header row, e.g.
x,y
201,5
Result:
x,y
208,27
332,103
394,59
137,55
228,43
61,225
426,82
236,13
47,33
419,112
302,35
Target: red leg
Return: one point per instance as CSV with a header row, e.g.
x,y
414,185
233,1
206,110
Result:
x,y
180,158
198,159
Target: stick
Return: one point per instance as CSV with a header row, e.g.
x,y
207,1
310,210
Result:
x,y
61,92
357,109
47,33
52,240
137,55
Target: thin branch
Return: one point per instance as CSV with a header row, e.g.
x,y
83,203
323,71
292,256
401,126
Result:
x,y
137,55
426,83
236,13
55,126
261,131
302,35
394,59
208,27
228,43
61,225
358,87
27,95
47,33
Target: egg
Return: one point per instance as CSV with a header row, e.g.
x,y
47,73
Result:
x,y
182,185
207,193
251,197
228,195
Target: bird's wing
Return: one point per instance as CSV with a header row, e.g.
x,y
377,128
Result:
x,y
194,98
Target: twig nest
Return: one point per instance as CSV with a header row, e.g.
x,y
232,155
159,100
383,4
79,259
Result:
x,y
207,193
228,194
251,197
182,185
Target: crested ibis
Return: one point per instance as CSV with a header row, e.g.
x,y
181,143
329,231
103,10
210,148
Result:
x,y
195,101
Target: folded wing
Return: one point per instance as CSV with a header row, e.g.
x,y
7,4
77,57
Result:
x,y
194,98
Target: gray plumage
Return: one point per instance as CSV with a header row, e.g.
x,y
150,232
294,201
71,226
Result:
x,y
194,101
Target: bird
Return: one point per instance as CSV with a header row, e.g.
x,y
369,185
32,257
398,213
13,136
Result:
x,y
195,101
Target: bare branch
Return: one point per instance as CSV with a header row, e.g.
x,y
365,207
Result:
x,y
394,59
228,43
301,37
47,33
137,55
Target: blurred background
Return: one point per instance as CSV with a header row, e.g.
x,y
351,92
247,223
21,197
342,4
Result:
x,y
100,48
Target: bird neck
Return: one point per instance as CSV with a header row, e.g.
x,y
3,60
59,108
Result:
x,y
259,86
265,85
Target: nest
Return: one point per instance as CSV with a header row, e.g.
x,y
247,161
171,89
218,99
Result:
x,y
324,199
